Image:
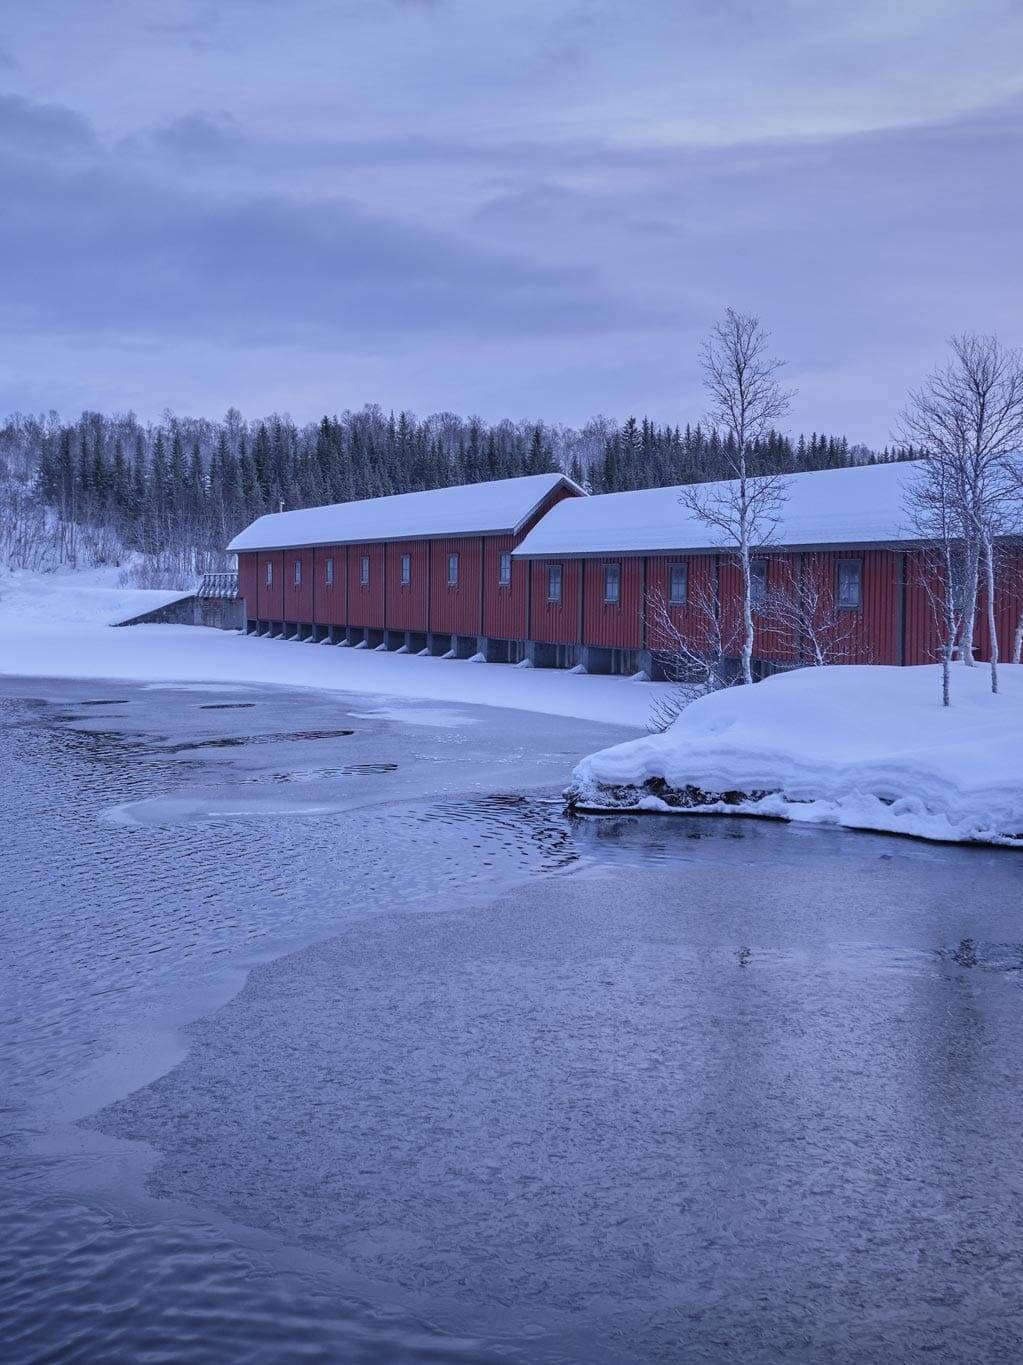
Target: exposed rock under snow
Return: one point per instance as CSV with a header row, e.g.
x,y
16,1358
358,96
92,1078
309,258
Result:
x,y
861,746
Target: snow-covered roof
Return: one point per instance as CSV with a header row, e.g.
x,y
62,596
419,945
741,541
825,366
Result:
x,y
862,505
502,505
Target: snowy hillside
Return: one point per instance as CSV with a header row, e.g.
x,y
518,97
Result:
x,y
865,747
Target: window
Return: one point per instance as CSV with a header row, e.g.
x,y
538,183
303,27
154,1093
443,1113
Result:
x,y
849,588
406,570
553,582
504,570
758,581
298,572
328,573
364,571
269,573
612,582
452,571
678,584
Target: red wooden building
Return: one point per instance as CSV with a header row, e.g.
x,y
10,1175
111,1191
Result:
x,y
417,571
533,569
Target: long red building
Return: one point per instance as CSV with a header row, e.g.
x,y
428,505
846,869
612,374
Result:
x,y
534,569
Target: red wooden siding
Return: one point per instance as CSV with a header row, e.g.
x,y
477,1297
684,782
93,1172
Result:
x,y
504,608
555,623
408,606
690,619
456,610
618,625
298,597
329,598
366,601
923,595
248,569
271,600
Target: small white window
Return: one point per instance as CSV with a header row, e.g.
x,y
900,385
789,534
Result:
x,y
504,570
452,571
406,570
612,582
364,571
328,573
678,584
553,582
298,572
758,581
850,584
269,573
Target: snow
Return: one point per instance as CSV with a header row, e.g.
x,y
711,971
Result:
x,y
862,505
468,509
861,746
59,627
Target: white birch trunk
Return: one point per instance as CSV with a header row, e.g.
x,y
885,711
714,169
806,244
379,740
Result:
x,y
992,624
970,606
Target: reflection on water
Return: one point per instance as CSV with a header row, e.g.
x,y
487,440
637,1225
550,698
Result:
x,y
695,1089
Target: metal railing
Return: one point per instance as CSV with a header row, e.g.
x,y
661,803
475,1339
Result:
x,y
222,585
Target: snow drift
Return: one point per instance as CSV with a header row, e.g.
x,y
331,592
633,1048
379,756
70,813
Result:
x,y
862,746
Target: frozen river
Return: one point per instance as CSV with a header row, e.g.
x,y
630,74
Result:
x,y
325,1036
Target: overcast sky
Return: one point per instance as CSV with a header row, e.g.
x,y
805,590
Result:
x,y
528,209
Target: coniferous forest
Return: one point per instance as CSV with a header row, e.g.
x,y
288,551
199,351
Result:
x,y
163,499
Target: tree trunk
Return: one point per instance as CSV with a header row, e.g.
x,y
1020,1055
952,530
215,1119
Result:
x,y
992,624
1017,641
747,617
970,606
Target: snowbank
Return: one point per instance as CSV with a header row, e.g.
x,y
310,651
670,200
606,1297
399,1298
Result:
x,y
860,746
58,627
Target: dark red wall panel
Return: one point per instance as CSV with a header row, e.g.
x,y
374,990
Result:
x,y
504,608
617,625
329,598
407,606
298,597
366,600
689,619
456,609
555,622
271,599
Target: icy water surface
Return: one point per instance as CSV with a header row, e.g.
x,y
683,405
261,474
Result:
x,y
325,1036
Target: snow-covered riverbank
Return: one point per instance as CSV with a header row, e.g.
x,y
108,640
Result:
x,y
865,747
58,626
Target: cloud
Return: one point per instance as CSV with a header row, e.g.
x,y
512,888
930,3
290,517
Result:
x,y
28,129
96,249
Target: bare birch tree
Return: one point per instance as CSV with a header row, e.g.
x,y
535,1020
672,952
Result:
x,y
691,659
968,419
746,400
943,563
804,617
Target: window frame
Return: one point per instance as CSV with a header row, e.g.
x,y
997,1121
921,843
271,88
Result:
x,y
364,571
328,571
555,566
840,604
269,573
678,566
613,567
453,568
504,559
296,573
405,571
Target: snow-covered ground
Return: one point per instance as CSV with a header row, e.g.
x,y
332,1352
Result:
x,y
58,626
861,746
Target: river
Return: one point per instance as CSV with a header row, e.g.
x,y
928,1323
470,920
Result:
x,y
325,1035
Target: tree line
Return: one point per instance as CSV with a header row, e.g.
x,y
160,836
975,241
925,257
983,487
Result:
x,y
169,496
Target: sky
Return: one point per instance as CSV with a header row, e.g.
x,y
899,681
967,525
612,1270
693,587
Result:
x,y
528,210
